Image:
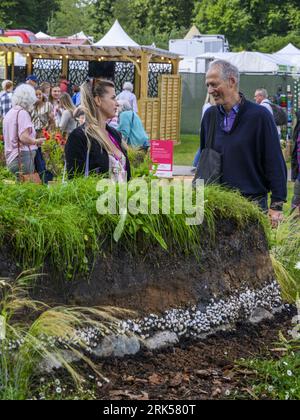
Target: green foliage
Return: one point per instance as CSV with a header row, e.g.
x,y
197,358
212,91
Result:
x,y
247,22
62,224
275,43
44,333
70,18
53,154
277,379
26,14
285,252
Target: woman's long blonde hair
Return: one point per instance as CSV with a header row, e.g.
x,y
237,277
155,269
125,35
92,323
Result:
x,y
88,91
66,102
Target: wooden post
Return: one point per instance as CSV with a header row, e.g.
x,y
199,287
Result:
x,y
29,64
12,66
175,66
137,82
144,75
65,66
6,67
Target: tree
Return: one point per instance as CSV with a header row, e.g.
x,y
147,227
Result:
x,y
5,7
101,17
245,22
225,17
26,14
70,18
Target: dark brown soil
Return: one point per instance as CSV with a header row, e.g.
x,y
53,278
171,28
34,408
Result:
x,y
153,280
195,371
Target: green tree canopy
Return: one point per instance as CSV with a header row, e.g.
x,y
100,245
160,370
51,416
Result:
x,y
32,15
247,24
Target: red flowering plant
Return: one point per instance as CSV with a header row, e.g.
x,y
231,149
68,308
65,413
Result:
x,y
53,151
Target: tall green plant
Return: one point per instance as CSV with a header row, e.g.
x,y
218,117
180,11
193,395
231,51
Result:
x,y
285,253
31,331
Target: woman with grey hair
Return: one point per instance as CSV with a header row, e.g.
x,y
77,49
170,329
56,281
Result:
x,y
19,133
128,95
131,127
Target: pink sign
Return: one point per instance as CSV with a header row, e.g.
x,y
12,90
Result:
x,y
161,152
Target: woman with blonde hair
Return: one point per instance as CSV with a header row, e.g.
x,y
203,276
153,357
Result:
x,y
95,147
67,122
46,89
54,99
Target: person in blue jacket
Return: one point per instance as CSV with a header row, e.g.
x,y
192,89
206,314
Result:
x,y
247,139
131,126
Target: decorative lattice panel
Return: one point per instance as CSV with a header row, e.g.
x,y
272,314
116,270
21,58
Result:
x,y
155,71
78,71
149,111
124,72
170,107
47,70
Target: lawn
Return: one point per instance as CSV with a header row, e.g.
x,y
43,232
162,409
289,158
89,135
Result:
x,y
185,152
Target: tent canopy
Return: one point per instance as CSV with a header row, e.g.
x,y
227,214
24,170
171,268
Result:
x,y
42,35
116,37
194,31
79,35
289,49
254,62
290,53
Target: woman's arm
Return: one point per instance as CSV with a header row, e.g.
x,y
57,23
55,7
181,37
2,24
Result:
x,y
65,118
26,139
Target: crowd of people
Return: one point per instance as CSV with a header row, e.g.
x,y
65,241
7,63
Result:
x,y
239,140
98,125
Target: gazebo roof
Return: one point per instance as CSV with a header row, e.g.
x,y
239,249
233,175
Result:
x,y
88,52
116,45
116,37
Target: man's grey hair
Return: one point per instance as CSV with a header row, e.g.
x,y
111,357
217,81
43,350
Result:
x,y
263,92
128,86
24,96
228,70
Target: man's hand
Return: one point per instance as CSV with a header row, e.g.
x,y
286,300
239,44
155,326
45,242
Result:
x,y
275,217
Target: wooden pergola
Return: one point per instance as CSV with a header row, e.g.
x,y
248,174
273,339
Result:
x,y
159,115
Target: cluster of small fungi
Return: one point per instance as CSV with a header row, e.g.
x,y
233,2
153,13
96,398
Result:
x,y
195,323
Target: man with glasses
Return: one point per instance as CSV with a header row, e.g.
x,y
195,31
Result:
x,y
247,139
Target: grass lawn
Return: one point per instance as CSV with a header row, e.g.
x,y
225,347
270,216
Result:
x,y
185,152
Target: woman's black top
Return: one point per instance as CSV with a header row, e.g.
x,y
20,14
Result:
x,y
76,153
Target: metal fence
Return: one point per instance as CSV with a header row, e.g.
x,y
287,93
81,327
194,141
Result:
x,y
194,94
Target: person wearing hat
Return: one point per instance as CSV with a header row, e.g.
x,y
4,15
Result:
x,y
32,80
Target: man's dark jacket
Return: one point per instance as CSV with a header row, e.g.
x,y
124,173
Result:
x,y
252,160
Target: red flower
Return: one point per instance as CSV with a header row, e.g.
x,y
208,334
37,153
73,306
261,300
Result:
x,y
46,134
60,139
